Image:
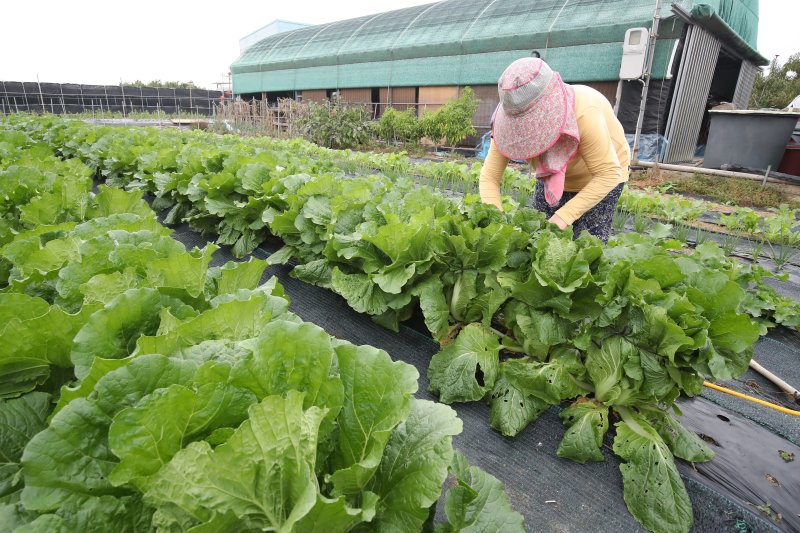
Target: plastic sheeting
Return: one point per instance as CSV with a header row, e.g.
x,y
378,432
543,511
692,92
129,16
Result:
x,y
650,145
655,110
782,357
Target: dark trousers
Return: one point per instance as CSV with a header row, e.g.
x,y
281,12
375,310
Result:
x,y
596,221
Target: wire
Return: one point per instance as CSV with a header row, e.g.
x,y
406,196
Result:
x,y
780,408
550,29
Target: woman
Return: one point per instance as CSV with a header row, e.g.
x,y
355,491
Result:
x,y
570,136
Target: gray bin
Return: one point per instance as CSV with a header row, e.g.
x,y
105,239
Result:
x,y
749,139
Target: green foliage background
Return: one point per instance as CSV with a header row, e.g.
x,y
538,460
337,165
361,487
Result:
x,y
779,87
453,121
164,84
334,124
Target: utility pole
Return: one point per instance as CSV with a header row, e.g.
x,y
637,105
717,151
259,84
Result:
x,y
648,69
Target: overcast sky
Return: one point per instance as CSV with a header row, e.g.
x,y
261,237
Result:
x,y
105,42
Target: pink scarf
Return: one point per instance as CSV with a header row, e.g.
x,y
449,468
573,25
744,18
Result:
x,y
553,163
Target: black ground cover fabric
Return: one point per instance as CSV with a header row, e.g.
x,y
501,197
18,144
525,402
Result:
x,y
553,494
778,353
749,465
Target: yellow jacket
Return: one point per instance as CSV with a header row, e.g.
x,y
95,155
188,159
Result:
x,y
600,164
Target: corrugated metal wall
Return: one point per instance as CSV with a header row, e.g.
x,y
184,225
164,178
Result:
x,y
356,96
693,82
384,101
401,98
314,95
744,87
489,98
432,98
404,97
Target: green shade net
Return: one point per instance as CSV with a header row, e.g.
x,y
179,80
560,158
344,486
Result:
x,y
459,42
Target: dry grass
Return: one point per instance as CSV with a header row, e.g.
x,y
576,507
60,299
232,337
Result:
x,y
731,191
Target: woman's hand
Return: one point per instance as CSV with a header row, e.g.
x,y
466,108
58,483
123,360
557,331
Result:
x,y
555,219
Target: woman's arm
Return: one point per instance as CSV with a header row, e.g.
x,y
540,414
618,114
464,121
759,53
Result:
x,y
492,176
597,151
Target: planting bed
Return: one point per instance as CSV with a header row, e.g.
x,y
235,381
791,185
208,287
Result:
x,y
559,495
602,340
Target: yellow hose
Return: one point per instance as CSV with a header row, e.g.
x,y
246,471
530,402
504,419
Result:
x,y
756,400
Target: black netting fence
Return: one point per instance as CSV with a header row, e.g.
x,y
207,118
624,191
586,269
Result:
x,y
71,98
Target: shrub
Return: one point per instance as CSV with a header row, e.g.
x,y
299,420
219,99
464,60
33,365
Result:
x,y
400,126
334,125
453,121
431,126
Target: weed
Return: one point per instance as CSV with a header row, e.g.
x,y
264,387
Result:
x,y
701,236
767,510
780,253
786,456
640,223
755,249
736,191
729,242
681,232
666,187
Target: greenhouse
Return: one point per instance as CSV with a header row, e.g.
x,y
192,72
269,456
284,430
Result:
x,y
420,56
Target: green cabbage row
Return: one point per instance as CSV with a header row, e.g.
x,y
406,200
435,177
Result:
x,y
142,389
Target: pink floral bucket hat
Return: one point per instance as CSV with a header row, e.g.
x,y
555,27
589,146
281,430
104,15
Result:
x,y
536,117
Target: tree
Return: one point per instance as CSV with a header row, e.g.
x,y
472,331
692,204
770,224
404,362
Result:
x,y
453,121
164,84
399,126
779,87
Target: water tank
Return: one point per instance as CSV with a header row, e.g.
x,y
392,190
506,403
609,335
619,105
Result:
x,y
634,52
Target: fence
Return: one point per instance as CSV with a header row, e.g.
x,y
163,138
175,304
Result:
x,y
70,98
257,117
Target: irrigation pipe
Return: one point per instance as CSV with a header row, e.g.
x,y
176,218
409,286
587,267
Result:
x,y
785,387
780,408
709,171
